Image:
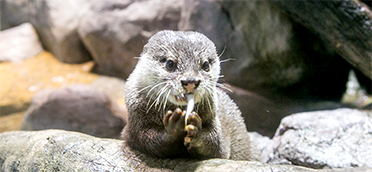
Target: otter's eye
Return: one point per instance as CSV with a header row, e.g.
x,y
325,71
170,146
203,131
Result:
x,y
206,66
170,65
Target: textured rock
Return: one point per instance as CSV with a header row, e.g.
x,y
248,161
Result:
x,y
345,25
260,142
19,43
75,108
324,139
56,150
55,21
115,31
273,56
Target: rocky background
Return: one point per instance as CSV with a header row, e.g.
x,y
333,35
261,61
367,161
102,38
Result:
x,y
63,65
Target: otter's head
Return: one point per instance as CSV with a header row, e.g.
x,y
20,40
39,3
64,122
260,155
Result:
x,y
175,64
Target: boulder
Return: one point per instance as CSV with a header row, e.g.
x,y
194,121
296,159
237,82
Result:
x,y
56,23
18,43
115,31
57,150
75,108
266,52
340,138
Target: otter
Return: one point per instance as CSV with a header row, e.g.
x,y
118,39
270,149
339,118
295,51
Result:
x,y
173,65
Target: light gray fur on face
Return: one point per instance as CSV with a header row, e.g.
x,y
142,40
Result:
x,y
189,50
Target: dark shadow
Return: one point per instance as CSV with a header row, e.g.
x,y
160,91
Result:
x,y
9,109
364,81
368,3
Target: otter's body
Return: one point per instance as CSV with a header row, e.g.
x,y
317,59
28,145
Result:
x,y
173,65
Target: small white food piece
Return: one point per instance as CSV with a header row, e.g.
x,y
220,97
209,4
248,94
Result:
x,y
190,106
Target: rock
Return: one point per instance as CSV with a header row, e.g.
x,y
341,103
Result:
x,y
260,142
325,139
115,31
56,150
209,18
345,25
272,55
114,88
9,17
56,23
75,108
19,43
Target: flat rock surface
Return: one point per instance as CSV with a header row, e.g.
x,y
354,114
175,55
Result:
x,y
57,150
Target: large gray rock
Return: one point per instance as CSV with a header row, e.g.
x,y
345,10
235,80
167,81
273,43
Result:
x,y
19,43
55,21
273,55
75,108
115,31
56,150
324,139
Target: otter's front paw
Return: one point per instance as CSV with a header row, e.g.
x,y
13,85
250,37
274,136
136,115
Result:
x,y
174,122
194,125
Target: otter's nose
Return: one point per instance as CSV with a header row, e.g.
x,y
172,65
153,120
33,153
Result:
x,y
190,84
